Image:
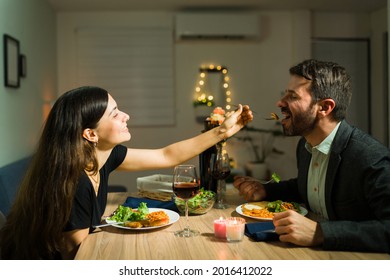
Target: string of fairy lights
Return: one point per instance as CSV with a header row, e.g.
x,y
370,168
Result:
x,y
203,98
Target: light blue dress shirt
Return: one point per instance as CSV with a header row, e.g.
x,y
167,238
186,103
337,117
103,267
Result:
x,y
317,174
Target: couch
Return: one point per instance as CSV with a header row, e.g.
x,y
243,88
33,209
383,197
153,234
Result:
x,y
10,177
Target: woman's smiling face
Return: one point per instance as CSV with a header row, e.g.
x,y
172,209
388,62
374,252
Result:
x,y
297,107
112,127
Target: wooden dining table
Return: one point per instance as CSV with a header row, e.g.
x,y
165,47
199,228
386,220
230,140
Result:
x,y
112,243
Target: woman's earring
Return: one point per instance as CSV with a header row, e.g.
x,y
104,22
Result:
x,y
95,144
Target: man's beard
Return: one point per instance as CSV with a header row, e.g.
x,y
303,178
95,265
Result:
x,y
301,123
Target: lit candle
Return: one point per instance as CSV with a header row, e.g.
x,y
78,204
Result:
x,y
220,228
235,228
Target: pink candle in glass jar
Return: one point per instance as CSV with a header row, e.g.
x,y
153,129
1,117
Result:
x,y
220,228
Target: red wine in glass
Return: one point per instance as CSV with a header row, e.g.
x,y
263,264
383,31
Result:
x,y
185,190
185,186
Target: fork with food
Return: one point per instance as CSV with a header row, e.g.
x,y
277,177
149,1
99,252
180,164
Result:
x,y
273,117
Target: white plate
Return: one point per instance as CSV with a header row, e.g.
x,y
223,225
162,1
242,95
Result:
x,y
173,218
239,211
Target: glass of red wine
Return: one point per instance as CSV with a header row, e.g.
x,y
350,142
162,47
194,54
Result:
x,y
221,170
185,186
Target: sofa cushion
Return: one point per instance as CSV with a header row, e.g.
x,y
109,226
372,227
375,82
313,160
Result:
x,y
10,178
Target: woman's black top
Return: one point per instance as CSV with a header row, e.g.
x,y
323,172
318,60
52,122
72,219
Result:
x,y
87,208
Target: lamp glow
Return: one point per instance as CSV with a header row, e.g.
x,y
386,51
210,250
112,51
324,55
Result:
x,y
200,97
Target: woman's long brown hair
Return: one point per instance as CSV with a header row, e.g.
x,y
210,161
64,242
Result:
x,y
42,207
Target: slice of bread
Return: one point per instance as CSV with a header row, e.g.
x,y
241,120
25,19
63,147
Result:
x,y
251,206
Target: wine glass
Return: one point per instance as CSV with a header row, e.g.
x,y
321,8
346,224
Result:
x,y
185,186
221,170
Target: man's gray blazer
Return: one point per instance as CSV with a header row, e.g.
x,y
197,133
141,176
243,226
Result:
x,y
357,191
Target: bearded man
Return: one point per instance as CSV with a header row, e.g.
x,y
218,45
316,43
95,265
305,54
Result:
x,y
343,173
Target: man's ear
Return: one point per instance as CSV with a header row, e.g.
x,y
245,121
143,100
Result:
x,y
90,135
326,106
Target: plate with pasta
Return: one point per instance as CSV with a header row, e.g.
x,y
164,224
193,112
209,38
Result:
x,y
265,210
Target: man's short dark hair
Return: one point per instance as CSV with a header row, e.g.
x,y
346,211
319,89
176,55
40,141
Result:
x,y
328,80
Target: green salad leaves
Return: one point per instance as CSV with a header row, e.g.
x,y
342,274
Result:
x,y
199,204
276,177
201,199
281,206
124,213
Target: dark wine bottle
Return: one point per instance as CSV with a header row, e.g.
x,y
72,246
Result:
x,y
207,181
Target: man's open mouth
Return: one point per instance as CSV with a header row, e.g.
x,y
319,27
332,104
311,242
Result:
x,y
286,114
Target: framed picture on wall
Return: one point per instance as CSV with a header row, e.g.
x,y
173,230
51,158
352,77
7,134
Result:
x,y
11,62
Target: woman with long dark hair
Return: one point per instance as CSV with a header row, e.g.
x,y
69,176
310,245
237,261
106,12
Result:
x,y
64,192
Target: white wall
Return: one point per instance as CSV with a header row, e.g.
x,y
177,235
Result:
x,y
378,79
368,26
21,110
258,71
341,25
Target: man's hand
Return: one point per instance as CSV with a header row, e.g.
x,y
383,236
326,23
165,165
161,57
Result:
x,y
295,228
249,188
